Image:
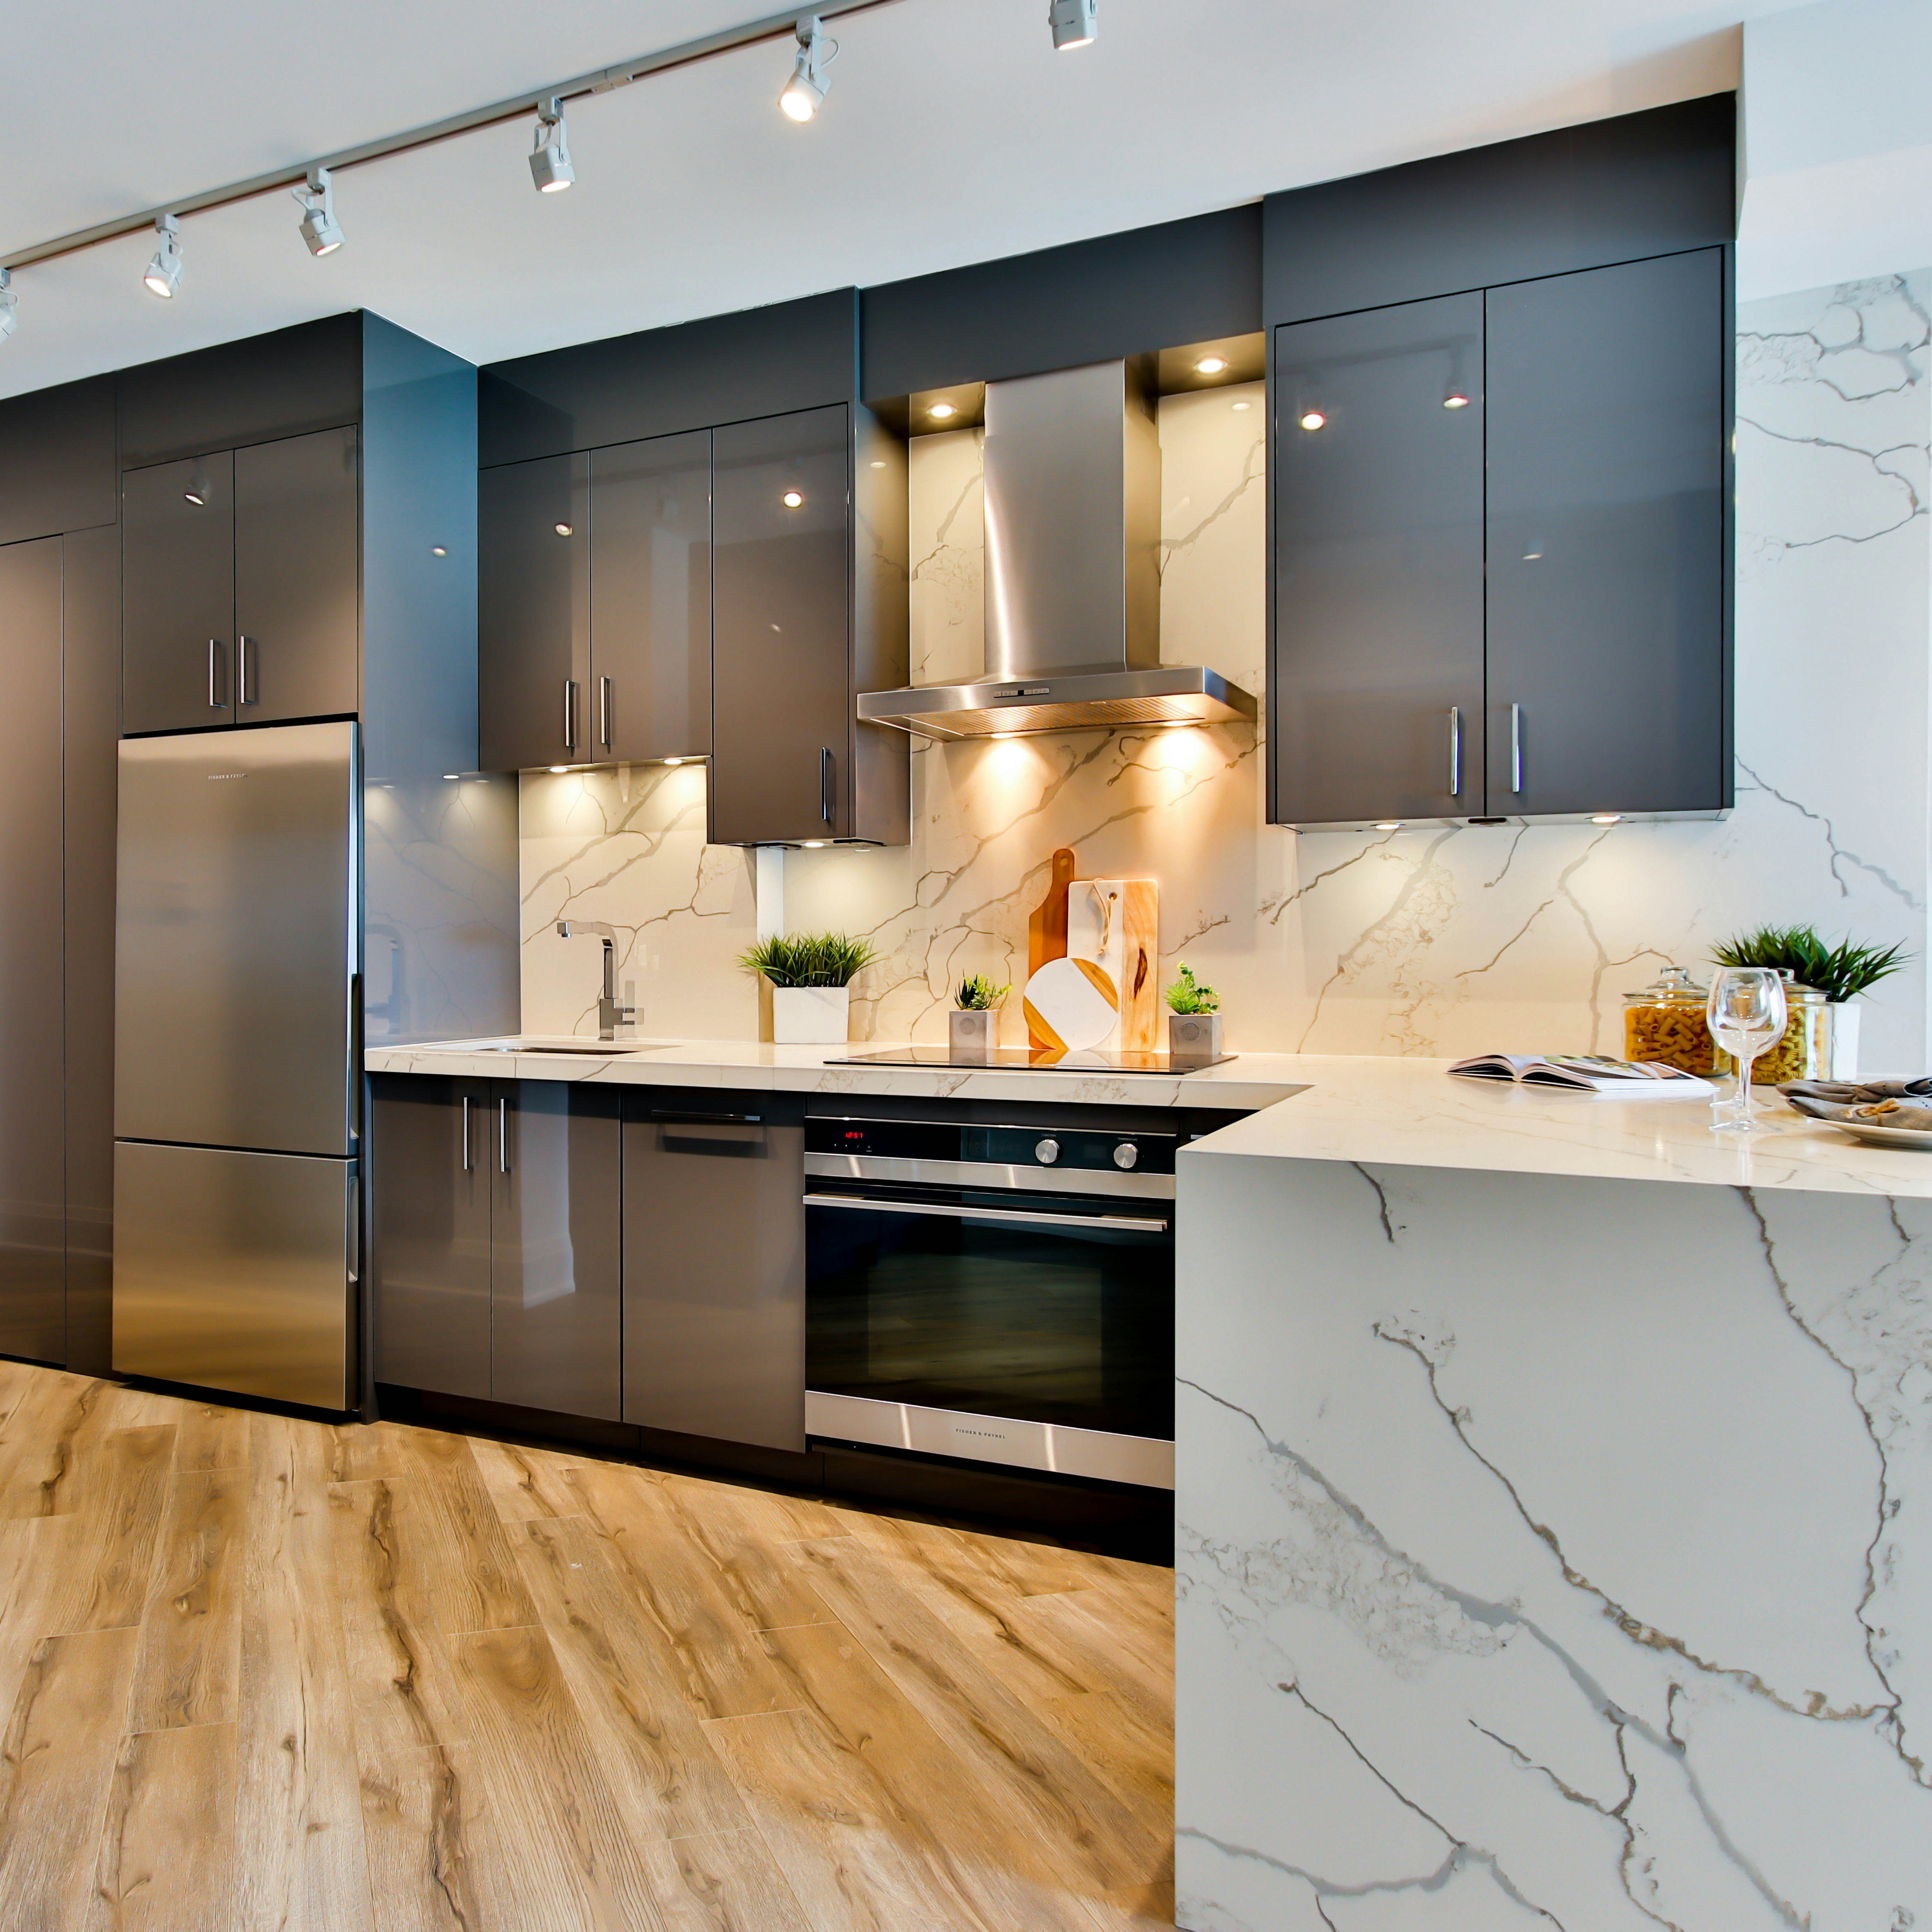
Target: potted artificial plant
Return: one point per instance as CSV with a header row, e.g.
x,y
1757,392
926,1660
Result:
x,y
1841,972
811,975
1193,1017
972,1027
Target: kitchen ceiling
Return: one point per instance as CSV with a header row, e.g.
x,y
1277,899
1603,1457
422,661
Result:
x,y
952,133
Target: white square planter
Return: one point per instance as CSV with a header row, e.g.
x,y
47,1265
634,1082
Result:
x,y
1194,1036
811,1015
1844,1018
973,1036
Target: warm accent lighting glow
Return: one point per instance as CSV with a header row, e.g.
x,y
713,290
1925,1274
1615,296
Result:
x,y
559,768
816,844
562,529
1314,419
1210,365
1239,407
673,761
1607,818
791,499
1389,825
1455,402
941,411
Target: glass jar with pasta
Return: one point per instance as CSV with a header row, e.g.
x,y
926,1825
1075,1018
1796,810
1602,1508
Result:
x,y
1665,1024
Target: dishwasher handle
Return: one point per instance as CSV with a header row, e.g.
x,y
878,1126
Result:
x,y
867,1204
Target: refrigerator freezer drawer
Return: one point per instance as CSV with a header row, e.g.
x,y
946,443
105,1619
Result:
x,y
235,938
235,1271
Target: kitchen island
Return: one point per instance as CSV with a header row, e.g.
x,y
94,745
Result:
x,y
1553,1544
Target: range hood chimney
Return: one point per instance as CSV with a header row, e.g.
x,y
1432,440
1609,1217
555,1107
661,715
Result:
x,y
1072,573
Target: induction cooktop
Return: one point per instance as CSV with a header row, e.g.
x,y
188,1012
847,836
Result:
x,y
1036,1060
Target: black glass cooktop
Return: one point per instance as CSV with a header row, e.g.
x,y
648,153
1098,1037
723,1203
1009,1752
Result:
x,y
1035,1059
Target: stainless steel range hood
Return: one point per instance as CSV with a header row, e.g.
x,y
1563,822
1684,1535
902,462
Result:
x,y
1072,573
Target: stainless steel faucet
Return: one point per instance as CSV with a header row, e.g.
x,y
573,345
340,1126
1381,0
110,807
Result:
x,y
609,1016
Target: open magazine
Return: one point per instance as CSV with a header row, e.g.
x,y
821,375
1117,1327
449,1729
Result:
x,y
1586,1073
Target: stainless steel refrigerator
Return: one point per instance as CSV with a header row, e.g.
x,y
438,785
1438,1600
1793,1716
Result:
x,y
237,936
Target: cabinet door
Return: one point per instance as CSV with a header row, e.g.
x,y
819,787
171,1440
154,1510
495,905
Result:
x,y
1606,460
431,1158
554,1293
714,1267
650,599
1375,689
33,1317
297,578
533,613
781,697
178,594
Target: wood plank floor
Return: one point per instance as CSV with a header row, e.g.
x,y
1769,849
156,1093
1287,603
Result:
x,y
260,1673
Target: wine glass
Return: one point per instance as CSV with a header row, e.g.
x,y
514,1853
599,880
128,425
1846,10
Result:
x,y
1747,1013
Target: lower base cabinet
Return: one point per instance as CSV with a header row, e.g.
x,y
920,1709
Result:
x,y
632,1254
714,1265
496,1219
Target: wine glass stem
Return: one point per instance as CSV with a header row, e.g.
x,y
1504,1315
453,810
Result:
x,y
1745,1062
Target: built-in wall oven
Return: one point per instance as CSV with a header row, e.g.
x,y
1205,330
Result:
x,y
997,1290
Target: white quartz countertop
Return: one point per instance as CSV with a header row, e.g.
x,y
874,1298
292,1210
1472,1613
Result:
x,y
1411,1113
1249,1080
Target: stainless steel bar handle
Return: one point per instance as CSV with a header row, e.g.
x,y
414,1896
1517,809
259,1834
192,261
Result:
x,y
604,712
246,690
825,784
503,1135
465,1134
215,702
1455,751
866,1205
1516,748
570,714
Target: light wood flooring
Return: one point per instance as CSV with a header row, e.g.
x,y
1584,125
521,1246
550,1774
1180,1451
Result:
x,y
261,1672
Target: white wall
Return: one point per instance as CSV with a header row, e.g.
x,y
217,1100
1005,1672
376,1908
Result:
x,y
1448,941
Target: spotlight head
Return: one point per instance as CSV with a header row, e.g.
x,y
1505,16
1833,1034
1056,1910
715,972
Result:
x,y
10,304
1073,23
550,165
164,271
319,229
806,88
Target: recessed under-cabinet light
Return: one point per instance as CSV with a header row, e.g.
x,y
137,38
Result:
x,y
438,550
1456,399
1606,818
940,411
562,529
1314,419
1388,825
791,499
1210,365
559,770
1239,407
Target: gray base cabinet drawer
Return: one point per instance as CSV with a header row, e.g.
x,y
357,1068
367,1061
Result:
x,y
714,1266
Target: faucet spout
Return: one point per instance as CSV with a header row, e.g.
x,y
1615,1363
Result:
x,y
610,1015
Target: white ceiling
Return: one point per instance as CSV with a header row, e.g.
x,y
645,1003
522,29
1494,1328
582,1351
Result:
x,y
952,133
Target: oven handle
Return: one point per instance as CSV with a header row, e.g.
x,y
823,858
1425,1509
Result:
x,y
865,1204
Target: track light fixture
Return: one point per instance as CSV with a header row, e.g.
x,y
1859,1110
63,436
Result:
x,y
164,271
1073,23
551,166
319,229
10,304
806,88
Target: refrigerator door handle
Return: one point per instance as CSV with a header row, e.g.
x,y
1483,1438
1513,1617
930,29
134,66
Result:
x,y
465,1134
503,1135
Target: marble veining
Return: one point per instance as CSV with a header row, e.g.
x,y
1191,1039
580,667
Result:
x,y
1550,1551
1433,942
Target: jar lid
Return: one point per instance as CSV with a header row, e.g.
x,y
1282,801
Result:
x,y
1674,983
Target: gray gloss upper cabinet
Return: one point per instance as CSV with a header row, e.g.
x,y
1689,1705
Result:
x,y
533,613
240,586
297,578
1606,553
1377,680
782,704
178,594
650,599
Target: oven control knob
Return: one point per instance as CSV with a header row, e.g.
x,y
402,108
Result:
x,y
1127,1155
1047,1152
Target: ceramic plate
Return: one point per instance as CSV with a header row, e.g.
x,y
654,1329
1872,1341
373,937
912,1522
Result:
x,y
1875,1135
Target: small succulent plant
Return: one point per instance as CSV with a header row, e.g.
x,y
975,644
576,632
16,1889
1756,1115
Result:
x,y
1187,995
979,995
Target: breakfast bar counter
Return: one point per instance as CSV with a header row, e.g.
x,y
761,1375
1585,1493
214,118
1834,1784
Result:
x,y
1555,1517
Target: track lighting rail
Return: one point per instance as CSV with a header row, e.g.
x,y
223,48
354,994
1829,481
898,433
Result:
x,y
603,80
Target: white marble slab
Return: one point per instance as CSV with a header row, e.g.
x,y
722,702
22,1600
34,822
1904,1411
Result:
x,y
1551,1552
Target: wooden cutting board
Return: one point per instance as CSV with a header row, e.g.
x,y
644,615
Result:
x,y
1140,978
1046,929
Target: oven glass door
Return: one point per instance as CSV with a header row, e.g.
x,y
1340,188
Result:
x,y
1057,1309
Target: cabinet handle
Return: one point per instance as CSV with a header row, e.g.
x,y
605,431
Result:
x,y
246,662
503,1135
216,700
465,1134
604,712
570,714
825,784
1516,748
1455,751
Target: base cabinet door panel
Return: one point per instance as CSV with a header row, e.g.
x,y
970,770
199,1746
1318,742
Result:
x,y
429,1212
714,1267
1377,675
556,1223
178,595
1606,479
297,578
781,703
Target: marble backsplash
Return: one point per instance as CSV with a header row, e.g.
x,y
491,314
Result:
x,y
1429,942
